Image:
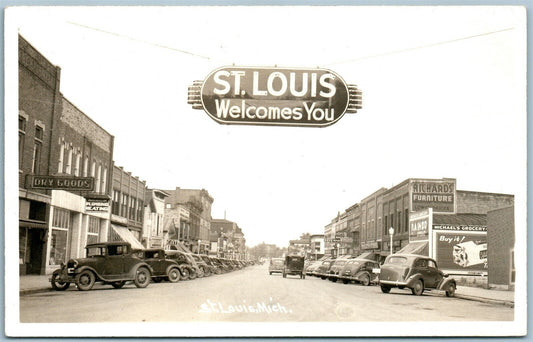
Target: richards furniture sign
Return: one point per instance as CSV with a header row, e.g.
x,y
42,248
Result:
x,y
274,96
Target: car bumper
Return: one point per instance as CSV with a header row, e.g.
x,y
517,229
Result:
x,y
393,282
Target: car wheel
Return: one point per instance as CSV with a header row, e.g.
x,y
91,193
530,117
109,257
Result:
x,y
142,277
345,281
385,289
85,280
323,278
173,275
118,284
218,271
365,280
418,288
185,274
450,290
303,276
157,279
58,285
192,274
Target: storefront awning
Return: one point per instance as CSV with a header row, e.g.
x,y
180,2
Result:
x,y
366,255
175,244
126,236
33,224
418,247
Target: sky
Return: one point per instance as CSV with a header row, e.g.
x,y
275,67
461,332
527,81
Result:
x,y
443,96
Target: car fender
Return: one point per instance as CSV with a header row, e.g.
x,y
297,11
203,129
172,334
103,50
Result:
x,y
85,268
134,269
445,282
171,266
360,273
412,279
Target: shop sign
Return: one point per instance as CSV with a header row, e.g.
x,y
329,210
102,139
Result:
x,y
436,194
60,183
461,252
341,234
463,228
274,96
332,240
370,245
97,205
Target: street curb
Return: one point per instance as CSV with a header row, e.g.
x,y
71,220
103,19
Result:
x,y
32,291
486,300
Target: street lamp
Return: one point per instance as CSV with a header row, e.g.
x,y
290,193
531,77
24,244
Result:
x,y
391,233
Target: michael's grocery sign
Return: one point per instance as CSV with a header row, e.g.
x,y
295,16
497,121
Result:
x,y
274,96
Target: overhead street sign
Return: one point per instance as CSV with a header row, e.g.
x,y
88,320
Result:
x,y
274,96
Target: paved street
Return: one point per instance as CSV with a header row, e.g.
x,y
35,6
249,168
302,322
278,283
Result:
x,y
251,295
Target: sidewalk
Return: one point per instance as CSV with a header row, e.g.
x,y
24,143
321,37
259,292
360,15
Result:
x,y
39,283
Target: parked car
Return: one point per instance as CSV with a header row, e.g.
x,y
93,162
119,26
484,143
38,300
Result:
x,y
276,266
221,266
416,272
294,265
211,263
187,270
312,267
204,267
359,270
112,263
335,268
323,269
163,267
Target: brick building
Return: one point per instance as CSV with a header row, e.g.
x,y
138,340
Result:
x,y
127,209
230,241
188,218
56,139
501,239
453,213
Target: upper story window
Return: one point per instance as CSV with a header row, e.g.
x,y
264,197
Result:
x,y
37,148
68,166
23,121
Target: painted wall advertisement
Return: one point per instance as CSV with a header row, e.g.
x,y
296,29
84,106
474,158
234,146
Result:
x,y
461,251
419,223
438,194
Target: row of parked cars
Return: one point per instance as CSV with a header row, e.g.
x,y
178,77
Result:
x,y
116,263
403,271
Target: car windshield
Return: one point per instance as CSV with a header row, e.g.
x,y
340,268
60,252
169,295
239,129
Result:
x,y
95,251
326,263
277,262
397,260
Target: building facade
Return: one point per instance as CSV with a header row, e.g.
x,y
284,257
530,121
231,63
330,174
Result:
x,y
188,218
127,208
230,241
154,234
501,239
59,146
316,245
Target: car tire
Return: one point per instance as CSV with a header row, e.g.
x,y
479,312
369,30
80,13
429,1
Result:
x,y
142,277
323,278
303,276
185,274
345,281
85,280
365,280
385,289
270,273
118,284
58,285
192,274
450,290
418,288
173,275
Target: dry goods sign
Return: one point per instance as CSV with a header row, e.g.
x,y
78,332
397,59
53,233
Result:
x,y
274,96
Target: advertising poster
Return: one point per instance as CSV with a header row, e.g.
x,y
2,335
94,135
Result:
x,y
462,252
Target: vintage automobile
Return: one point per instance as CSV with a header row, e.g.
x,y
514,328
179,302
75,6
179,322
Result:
x,y
276,266
359,270
112,263
323,269
214,269
416,272
202,265
187,270
335,268
311,268
220,266
294,265
162,266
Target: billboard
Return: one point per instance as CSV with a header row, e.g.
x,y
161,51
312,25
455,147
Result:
x,y
436,194
274,96
461,251
419,223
